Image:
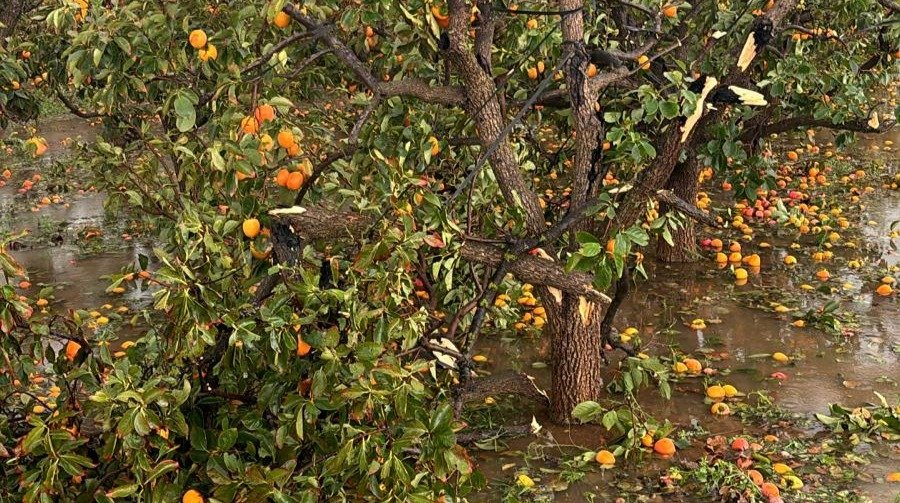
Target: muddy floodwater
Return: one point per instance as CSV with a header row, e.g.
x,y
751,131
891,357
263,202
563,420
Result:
x,y
825,368
55,251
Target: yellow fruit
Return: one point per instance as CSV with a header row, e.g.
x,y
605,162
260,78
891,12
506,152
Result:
x,y
721,258
893,477
679,368
715,392
249,125
524,481
790,260
282,20
780,357
605,458
729,390
754,260
644,62
781,468
209,53
251,227
41,302
197,39
740,273
532,73
647,440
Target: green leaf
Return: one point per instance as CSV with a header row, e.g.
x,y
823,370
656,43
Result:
x,y
186,115
227,439
587,411
123,491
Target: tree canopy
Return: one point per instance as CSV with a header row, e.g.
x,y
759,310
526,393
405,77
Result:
x,y
342,191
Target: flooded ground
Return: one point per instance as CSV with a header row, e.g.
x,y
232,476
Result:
x,y
741,331
72,242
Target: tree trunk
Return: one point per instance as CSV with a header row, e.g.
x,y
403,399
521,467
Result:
x,y
10,12
684,184
574,355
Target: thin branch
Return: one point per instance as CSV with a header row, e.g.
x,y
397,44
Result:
x,y
495,144
74,108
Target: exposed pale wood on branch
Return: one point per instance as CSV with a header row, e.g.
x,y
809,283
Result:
x,y
536,270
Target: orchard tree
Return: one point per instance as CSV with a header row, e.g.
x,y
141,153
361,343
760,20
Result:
x,y
344,196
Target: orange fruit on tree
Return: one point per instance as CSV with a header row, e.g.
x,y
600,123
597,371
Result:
x,y
664,447
192,496
532,73
303,348
249,125
670,11
285,138
293,150
644,62
210,52
197,39
264,113
591,70
294,180
282,177
72,349
282,20
251,227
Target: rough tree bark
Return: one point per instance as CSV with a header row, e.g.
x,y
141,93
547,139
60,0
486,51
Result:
x,y
684,184
11,11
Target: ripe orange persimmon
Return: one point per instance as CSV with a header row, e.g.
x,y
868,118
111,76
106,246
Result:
x,y
282,20
72,349
251,227
264,113
670,11
285,138
197,39
664,447
294,180
192,496
303,348
249,125
282,177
